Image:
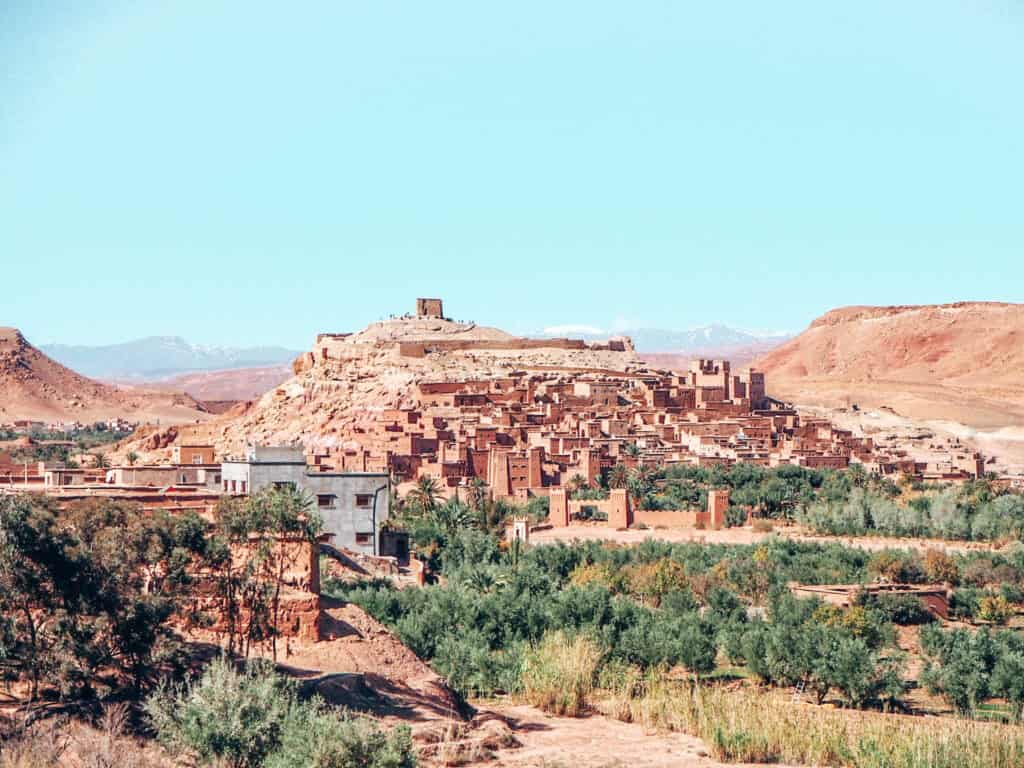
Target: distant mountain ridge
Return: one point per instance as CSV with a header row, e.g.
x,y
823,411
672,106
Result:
x,y
34,386
712,340
157,357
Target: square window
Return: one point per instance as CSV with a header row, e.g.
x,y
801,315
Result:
x,y
324,500
364,499
364,538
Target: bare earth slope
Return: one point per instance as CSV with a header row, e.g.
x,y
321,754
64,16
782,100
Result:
x,y
957,362
228,384
33,386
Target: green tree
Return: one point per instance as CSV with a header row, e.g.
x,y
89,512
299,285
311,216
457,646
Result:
x,y
426,495
1008,680
618,476
959,665
279,518
35,565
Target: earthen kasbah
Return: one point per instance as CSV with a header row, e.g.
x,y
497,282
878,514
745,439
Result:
x,y
421,394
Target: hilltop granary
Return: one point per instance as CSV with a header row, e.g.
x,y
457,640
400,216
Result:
x,y
429,308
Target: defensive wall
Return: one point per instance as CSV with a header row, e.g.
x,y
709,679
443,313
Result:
x,y
621,514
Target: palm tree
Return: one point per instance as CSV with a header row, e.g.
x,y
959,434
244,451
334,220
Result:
x,y
102,462
132,457
639,483
478,493
618,477
578,482
453,515
631,449
426,494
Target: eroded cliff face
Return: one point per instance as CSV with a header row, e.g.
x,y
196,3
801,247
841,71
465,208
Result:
x,y
959,362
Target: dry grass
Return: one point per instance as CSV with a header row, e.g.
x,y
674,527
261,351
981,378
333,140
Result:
x,y
558,674
42,746
758,727
59,742
457,743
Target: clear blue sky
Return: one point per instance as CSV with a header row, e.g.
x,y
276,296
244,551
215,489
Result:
x,y
247,172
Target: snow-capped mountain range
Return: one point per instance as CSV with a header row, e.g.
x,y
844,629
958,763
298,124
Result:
x,y
711,340
157,357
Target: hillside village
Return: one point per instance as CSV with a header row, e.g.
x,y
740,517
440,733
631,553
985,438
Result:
x,y
421,396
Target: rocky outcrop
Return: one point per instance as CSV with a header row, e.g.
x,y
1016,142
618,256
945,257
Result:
x,y
958,362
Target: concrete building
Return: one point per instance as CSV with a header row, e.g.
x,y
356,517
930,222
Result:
x,y
353,505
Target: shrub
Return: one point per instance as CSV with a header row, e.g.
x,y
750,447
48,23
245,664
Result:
x,y
763,526
980,572
994,609
652,581
559,673
896,567
902,609
227,717
591,512
940,567
315,737
735,516
965,602
253,718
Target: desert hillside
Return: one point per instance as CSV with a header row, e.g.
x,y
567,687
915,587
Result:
x,y
33,386
953,362
341,387
205,386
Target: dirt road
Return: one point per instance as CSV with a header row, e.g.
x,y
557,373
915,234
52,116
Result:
x,y
598,532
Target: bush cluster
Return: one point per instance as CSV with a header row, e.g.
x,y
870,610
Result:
x,y
656,605
253,718
967,667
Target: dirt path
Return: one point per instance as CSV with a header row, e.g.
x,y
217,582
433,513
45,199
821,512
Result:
x,y
584,532
593,742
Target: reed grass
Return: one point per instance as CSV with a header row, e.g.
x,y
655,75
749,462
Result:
x,y
753,726
559,672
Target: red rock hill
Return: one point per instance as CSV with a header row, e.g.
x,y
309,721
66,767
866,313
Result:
x,y
33,386
959,362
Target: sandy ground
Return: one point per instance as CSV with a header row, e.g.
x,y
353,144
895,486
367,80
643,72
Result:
x,y
597,532
593,742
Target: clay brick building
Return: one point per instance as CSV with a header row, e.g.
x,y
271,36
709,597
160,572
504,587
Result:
x,y
429,308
